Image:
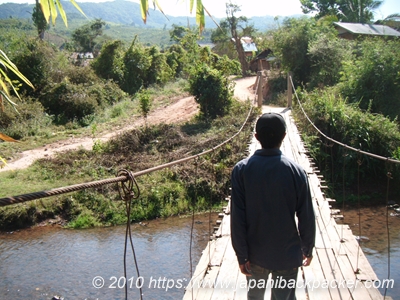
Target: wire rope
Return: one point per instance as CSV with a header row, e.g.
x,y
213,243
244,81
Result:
x,y
127,193
389,176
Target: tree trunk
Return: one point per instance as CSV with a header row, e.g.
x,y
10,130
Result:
x,y
242,56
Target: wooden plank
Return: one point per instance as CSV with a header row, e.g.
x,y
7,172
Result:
x,y
353,250
200,271
313,275
241,290
322,240
224,227
355,286
207,287
227,277
330,272
374,293
301,293
220,247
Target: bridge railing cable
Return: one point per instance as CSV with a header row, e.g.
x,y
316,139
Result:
x,y
387,159
359,151
77,187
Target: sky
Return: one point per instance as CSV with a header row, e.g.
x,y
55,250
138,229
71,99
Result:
x,y
249,8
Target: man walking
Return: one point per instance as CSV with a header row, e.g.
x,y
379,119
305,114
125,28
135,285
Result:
x,y
268,191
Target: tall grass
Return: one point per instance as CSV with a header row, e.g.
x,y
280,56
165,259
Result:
x,y
347,123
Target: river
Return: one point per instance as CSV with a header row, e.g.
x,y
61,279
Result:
x,y
44,262
374,241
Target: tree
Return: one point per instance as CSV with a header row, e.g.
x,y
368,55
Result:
x,y
357,11
177,33
392,20
212,90
85,35
51,8
234,22
223,41
291,43
371,77
39,20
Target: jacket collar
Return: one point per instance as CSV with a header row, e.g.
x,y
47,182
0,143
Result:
x,y
268,152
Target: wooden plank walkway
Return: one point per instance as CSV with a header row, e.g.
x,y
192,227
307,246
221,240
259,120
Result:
x,y
339,269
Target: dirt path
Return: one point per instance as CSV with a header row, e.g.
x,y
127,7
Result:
x,y
180,111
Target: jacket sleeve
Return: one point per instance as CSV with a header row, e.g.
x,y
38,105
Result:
x,y
306,217
238,215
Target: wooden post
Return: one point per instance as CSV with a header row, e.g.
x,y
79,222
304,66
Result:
x,y
289,90
255,89
259,90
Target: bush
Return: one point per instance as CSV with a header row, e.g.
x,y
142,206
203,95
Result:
x,y
372,78
109,64
144,67
212,91
226,65
41,64
350,125
136,63
69,102
291,44
176,58
326,54
30,120
81,75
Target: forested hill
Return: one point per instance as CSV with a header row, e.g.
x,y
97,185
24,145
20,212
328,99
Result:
x,y
122,12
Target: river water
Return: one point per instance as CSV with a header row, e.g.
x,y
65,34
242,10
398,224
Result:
x,y
44,262
374,241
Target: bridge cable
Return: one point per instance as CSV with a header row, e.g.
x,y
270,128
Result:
x,y
344,195
359,163
194,200
127,193
387,159
389,176
210,206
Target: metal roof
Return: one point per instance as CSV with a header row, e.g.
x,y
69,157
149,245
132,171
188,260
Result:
x,y
370,29
249,47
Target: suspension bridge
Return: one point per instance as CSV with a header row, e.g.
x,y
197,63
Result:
x,y
339,269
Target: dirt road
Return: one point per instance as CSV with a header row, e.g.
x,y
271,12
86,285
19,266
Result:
x,y
180,111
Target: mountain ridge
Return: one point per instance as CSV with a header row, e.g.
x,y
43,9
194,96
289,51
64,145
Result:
x,y
125,12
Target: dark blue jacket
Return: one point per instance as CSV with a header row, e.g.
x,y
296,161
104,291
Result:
x,y
268,190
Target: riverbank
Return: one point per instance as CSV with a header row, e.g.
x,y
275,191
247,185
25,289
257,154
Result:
x,y
173,191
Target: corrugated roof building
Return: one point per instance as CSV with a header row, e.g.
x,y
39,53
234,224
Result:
x,y
352,30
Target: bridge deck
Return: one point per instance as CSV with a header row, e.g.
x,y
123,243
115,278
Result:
x,y
339,269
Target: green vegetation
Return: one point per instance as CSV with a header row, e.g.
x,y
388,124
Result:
x,y
212,91
197,184
350,89
353,11
347,123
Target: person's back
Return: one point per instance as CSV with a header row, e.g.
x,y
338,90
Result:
x,y
268,190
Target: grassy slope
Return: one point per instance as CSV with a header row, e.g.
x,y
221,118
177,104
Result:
x,y
164,193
